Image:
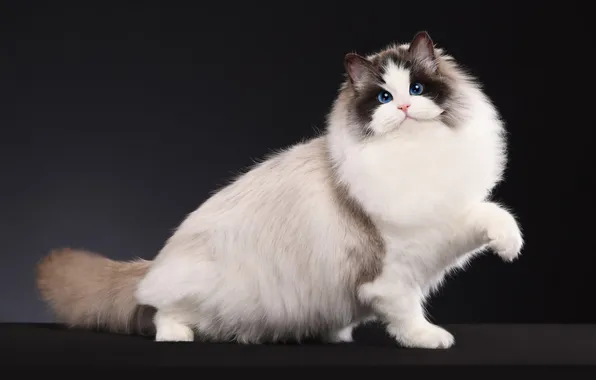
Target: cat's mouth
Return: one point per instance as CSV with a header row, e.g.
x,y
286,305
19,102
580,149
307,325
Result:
x,y
412,118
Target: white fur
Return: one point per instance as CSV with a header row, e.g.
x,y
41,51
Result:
x,y
266,257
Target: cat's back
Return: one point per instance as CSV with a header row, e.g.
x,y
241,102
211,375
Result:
x,y
278,185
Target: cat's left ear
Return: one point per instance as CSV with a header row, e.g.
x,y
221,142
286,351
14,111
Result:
x,y
357,67
422,49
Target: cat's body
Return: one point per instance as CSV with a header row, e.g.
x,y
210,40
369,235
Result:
x,y
360,223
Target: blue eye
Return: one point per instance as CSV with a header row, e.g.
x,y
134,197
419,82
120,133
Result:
x,y
384,97
416,88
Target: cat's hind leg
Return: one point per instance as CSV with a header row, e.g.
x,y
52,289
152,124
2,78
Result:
x,y
176,286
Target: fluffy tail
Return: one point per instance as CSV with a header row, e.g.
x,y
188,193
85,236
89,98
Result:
x,y
86,290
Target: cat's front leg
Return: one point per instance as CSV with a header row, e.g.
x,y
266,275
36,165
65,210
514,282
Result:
x,y
497,228
398,303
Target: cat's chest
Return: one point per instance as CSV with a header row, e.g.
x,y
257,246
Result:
x,y
417,182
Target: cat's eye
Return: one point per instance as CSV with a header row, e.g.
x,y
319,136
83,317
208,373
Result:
x,y
416,88
384,97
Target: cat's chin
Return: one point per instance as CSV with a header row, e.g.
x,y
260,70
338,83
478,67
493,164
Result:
x,y
412,121
420,120
408,125
396,126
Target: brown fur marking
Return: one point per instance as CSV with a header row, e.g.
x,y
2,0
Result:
x,y
368,255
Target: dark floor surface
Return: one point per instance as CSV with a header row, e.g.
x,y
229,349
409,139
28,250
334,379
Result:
x,y
35,345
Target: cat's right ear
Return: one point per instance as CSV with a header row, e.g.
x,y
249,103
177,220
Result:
x,y
357,67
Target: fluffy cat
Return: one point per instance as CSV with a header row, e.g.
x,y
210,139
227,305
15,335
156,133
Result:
x,y
360,223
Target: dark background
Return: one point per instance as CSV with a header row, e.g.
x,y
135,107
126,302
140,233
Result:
x,y
117,121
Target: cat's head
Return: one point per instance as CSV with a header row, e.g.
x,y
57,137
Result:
x,y
400,86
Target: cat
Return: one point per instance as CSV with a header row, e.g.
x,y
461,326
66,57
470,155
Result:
x,y
360,223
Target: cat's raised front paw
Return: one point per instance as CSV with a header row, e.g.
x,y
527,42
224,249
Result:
x,y
504,235
424,335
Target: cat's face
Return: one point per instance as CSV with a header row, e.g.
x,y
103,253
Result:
x,y
397,87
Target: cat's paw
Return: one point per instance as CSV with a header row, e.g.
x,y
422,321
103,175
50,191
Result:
x,y
174,333
425,335
503,234
169,330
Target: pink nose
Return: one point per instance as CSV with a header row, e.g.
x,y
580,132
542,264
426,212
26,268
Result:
x,y
404,107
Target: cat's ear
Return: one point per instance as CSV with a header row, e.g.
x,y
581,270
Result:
x,y
422,49
357,67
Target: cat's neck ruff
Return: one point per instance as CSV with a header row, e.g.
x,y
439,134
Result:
x,y
420,174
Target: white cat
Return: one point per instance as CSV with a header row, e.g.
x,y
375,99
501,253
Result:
x,y
360,223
